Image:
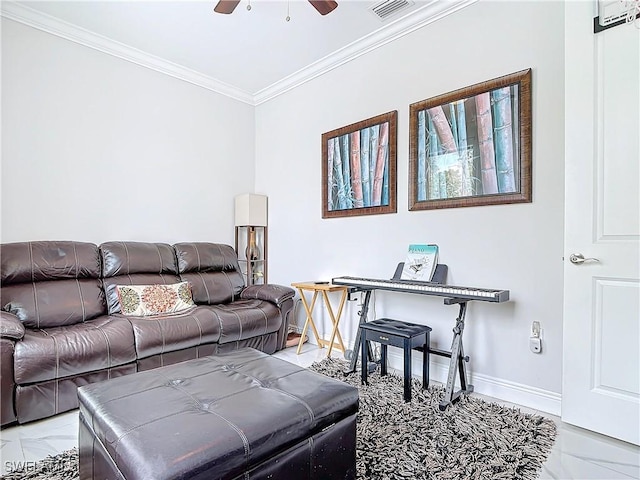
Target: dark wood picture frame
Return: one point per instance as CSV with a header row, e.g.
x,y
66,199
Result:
x,y
359,168
472,146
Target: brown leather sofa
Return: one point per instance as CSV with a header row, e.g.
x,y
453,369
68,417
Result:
x,y
61,326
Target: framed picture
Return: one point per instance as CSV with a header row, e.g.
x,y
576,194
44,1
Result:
x,y
359,168
472,146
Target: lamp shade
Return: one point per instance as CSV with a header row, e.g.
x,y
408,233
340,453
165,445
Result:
x,y
251,210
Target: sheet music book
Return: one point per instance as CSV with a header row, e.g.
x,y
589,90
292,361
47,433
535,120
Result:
x,y
420,263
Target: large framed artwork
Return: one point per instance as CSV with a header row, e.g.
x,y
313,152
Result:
x,y
359,168
472,146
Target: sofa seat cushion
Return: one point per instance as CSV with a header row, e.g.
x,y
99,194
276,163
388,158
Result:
x,y
58,352
245,319
159,334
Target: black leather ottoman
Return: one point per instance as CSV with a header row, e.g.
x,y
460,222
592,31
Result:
x,y
241,415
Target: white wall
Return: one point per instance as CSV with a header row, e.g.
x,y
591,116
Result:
x,y
95,148
515,247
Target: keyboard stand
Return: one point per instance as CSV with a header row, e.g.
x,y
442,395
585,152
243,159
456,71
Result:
x,y
457,361
357,347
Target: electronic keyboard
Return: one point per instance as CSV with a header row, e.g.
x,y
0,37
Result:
x,y
425,288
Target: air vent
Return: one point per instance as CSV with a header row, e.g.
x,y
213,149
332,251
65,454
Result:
x,y
388,8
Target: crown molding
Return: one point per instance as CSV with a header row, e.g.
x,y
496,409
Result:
x,y
68,31
431,12
418,18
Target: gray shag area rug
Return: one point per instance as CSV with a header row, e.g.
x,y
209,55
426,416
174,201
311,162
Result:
x,y
472,439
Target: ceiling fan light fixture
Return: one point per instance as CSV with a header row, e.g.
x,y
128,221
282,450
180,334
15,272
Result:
x,y
226,7
324,6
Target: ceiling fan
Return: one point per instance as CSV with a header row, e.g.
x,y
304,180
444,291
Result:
x,y
322,6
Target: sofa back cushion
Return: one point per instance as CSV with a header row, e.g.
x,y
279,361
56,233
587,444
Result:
x,y
51,283
212,270
136,263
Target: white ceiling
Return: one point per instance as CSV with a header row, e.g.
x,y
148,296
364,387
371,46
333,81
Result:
x,y
248,55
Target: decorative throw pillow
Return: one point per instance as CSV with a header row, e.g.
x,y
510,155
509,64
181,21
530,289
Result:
x,y
142,300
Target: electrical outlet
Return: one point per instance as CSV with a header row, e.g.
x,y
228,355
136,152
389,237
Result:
x,y
535,344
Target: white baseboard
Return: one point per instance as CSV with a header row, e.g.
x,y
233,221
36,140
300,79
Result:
x,y
527,396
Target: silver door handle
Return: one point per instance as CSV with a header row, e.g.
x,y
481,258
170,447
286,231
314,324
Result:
x,y
578,258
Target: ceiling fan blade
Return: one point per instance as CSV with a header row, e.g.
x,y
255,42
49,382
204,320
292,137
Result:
x,y
324,6
226,6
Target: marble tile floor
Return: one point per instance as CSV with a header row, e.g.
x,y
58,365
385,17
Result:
x,y
577,454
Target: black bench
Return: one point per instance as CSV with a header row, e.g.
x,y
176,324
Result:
x,y
397,334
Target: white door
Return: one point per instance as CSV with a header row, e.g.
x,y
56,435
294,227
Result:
x,y
601,339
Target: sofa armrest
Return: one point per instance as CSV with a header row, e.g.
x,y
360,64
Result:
x,y
10,326
282,297
276,294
